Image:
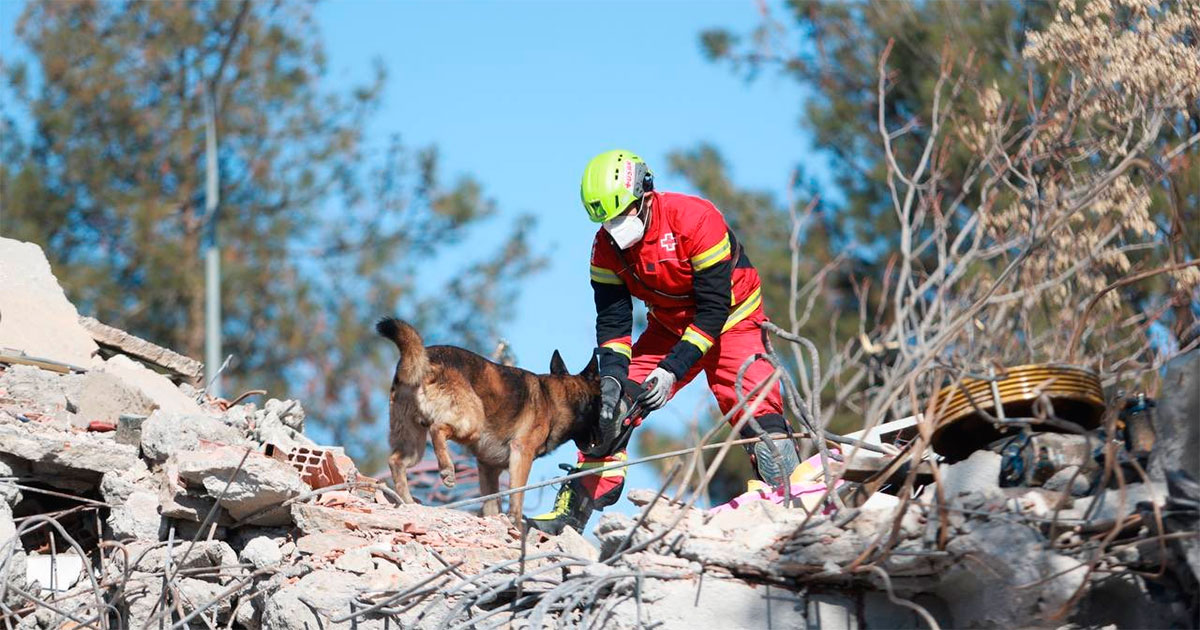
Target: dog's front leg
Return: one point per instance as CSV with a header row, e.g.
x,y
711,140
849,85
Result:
x,y
520,458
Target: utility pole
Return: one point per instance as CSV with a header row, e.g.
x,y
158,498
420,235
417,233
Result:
x,y
212,259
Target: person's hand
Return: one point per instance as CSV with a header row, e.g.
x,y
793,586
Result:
x,y
656,389
610,397
604,436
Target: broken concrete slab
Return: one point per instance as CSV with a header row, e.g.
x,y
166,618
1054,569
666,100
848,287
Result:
x,y
357,561
262,552
980,471
574,544
59,450
281,422
685,604
1114,503
312,519
166,433
175,501
326,592
288,412
42,392
145,590
133,496
105,397
10,494
158,388
244,488
247,612
981,593
8,529
35,315
136,518
1058,482
322,543
195,593
16,568
138,348
204,554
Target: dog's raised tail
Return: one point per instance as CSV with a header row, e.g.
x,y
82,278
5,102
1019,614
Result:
x,y
413,362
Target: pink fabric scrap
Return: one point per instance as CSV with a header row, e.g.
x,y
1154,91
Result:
x,y
808,492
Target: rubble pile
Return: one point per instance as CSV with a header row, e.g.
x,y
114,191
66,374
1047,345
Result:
x,y
130,499
127,498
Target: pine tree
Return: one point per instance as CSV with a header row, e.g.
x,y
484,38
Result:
x,y
319,233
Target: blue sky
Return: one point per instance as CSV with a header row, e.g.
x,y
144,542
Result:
x,y
520,94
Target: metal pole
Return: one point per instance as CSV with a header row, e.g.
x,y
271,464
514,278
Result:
x,y
212,260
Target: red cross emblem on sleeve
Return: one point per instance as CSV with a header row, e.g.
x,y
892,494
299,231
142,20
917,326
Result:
x,y
667,242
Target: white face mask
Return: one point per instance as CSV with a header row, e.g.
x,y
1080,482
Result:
x,y
625,230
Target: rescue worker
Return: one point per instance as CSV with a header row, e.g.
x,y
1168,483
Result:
x,y
675,253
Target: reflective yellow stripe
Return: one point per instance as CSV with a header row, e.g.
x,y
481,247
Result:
x,y
616,472
692,336
712,255
604,276
619,347
744,309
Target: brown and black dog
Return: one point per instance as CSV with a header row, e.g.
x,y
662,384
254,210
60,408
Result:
x,y
504,415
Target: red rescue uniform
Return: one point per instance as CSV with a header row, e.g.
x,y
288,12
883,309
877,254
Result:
x,y
704,299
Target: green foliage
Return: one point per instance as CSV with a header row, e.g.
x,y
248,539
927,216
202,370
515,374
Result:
x,y
319,236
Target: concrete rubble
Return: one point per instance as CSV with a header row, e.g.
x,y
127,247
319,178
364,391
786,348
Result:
x,y
128,499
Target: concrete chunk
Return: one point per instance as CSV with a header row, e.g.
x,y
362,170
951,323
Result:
x,y
205,554
135,512
164,433
979,472
158,388
74,451
35,315
145,589
712,603
42,392
321,543
260,483
104,396
326,592
139,348
262,552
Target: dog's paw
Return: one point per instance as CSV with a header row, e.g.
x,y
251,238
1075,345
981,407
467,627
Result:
x,y
448,478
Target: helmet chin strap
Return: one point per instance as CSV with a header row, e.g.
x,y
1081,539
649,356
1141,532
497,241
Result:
x,y
645,205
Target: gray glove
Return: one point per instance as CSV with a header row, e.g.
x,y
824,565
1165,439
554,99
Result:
x,y
656,389
610,398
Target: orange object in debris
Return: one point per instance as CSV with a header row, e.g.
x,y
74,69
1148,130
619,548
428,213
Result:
x,y
963,410
317,466
100,426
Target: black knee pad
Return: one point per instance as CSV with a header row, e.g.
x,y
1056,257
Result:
x,y
770,422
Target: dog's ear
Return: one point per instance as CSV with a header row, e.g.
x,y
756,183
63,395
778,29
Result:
x,y
557,365
592,369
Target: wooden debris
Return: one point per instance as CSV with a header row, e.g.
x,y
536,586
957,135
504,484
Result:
x,y
16,357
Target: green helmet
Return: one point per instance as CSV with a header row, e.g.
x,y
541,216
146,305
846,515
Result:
x,y
612,181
